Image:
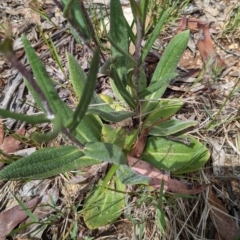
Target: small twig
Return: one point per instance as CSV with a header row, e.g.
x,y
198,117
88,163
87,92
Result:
x,y
224,49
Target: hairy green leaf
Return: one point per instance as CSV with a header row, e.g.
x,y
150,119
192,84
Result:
x,y
166,66
89,129
164,109
105,152
119,34
72,8
45,163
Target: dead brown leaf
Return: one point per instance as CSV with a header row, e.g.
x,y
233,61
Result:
x,y
207,50
223,222
9,144
205,45
138,147
14,216
170,185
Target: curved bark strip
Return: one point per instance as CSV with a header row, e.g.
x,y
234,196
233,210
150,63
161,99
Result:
x,y
170,185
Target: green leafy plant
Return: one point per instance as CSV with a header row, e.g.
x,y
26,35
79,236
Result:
x,y
94,140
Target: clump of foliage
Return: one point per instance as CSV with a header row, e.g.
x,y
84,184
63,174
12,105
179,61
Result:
x,y
93,140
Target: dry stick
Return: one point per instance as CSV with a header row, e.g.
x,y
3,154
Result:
x,y
137,56
224,49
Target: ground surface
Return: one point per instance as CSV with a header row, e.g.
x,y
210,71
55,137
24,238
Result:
x,y
196,219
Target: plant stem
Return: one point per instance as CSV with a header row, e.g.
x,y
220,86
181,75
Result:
x,y
137,56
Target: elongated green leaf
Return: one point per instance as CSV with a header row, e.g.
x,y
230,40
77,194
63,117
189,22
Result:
x,y
105,152
166,66
119,136
122,89
72,8
105,207
89,129
154,35
171,127
156,85
127,176
43,80
175,157
77,76
78,79
113,116
164,109
46,163
87,93
119,34
34,119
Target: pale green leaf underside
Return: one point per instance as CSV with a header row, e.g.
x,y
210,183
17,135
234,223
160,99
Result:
x,y
171,127
105,152
129,177
105,207
164,109
175,157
